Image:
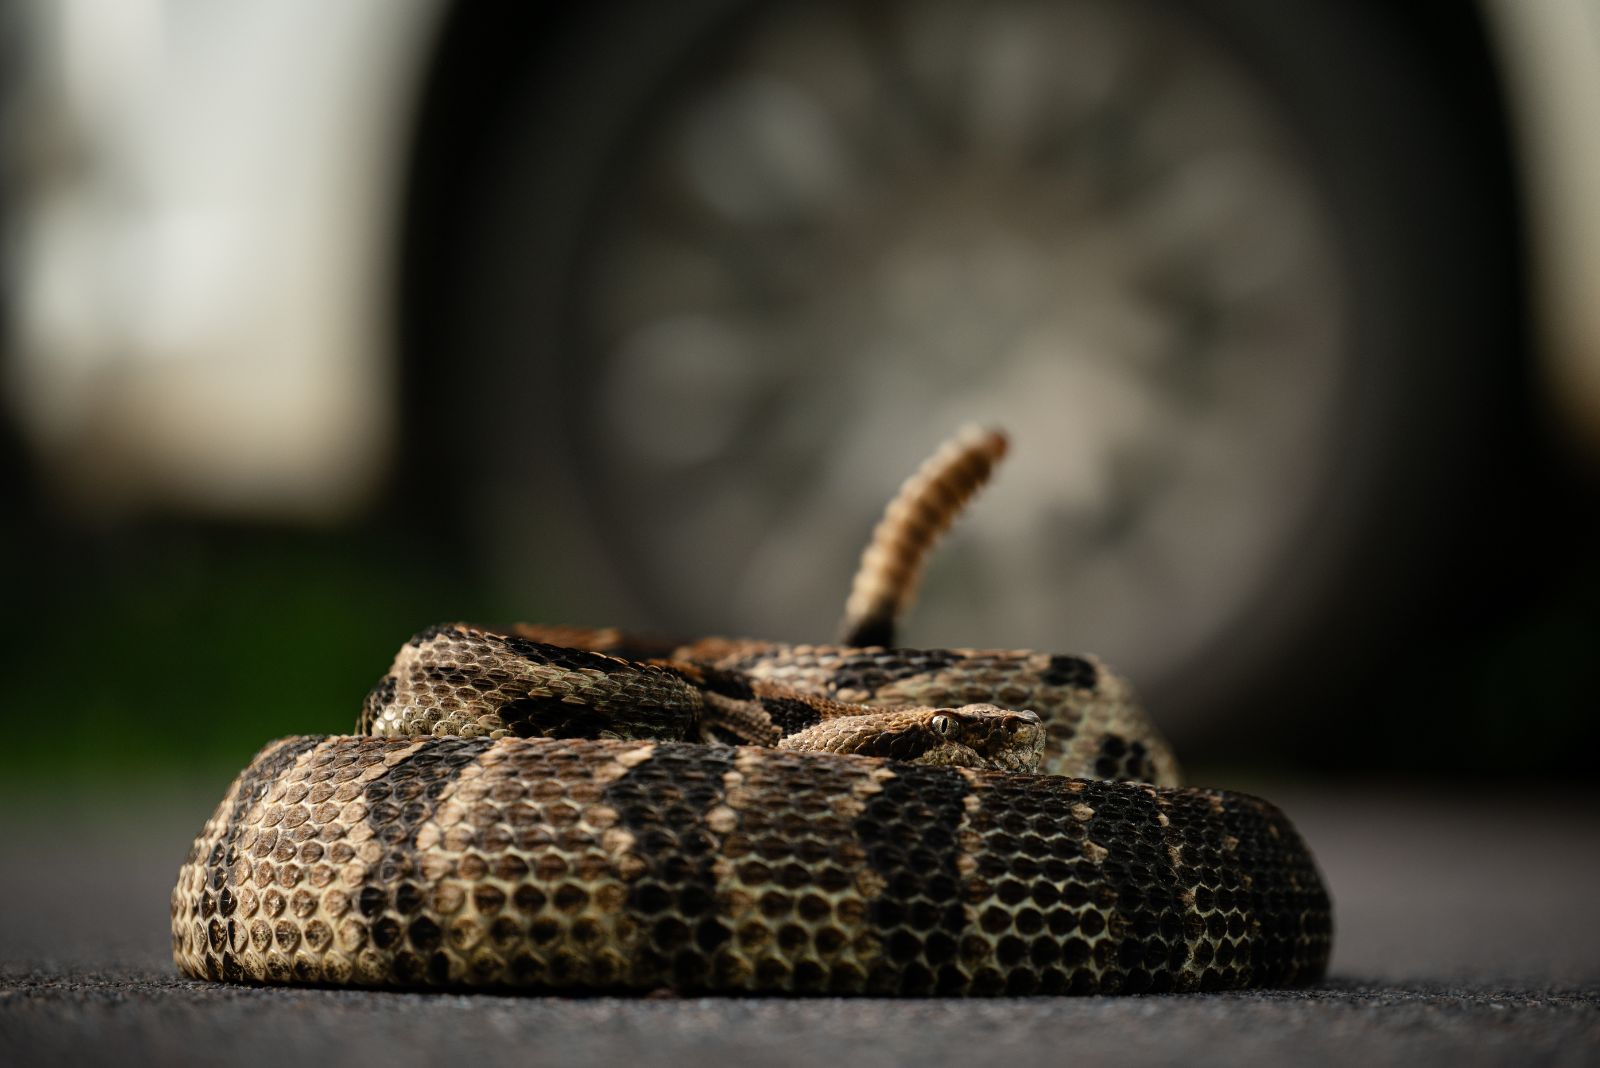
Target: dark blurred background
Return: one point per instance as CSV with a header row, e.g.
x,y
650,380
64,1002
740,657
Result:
x,y
324,323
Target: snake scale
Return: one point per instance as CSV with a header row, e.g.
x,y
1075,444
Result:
x,y
566,809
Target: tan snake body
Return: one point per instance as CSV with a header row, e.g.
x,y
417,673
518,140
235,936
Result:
x,y
526,810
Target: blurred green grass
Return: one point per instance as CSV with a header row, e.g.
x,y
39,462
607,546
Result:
x,y
174,654
164,656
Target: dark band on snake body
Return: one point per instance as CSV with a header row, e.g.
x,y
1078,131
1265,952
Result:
x,y
790,715
665,803
220,933
911,832
398,806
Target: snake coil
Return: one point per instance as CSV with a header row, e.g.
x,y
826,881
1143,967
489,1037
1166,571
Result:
x,y
564,809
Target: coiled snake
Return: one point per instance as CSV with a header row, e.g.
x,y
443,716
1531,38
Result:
x,y
567,809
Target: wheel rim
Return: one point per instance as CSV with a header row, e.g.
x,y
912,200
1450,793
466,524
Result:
x,y
851,232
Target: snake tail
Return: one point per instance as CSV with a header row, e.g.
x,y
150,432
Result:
x,y
927,504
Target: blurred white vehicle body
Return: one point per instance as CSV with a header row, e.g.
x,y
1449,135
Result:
x,y
204,249
203,242
1551,61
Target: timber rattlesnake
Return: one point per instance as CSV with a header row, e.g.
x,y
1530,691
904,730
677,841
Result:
x,y
558,808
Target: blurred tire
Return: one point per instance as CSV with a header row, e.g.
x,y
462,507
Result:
x,y
513,387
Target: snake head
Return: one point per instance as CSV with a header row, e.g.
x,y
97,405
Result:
x,y
972,736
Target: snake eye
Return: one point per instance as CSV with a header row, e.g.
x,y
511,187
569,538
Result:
x,y
943,725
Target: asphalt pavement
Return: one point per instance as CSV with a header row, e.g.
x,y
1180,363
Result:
x,y
1468,933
